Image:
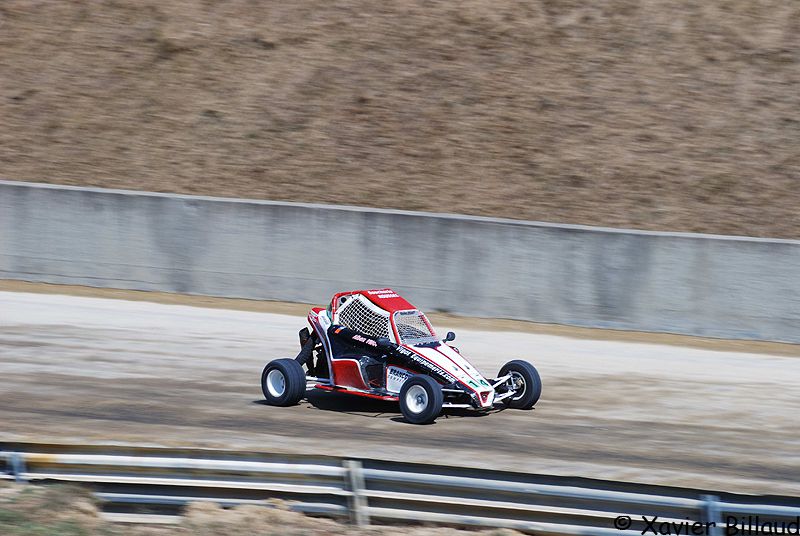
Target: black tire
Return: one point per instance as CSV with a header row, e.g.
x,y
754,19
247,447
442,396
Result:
x,y
424,403
527,374
283,382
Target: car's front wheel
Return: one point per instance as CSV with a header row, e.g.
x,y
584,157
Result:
x,y
421,399
283,382
525,381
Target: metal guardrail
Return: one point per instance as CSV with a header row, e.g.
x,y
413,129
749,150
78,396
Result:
x,y
159,481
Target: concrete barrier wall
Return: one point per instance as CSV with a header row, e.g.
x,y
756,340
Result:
x,y
705,285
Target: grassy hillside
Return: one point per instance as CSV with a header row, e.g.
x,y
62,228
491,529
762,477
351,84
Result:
x,y
653,114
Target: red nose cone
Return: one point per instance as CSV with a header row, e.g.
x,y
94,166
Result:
x,y
485,396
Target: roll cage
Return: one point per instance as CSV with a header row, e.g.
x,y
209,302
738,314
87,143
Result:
x,y
382,314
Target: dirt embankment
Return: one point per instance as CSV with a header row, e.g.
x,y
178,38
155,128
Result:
x,y
676,115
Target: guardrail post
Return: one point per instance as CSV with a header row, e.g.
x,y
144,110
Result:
x,y
18,466
359,513
711,514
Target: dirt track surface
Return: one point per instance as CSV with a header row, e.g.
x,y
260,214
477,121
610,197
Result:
x,y
673,115
78,369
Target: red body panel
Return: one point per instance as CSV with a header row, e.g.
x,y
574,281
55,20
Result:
x,y
385,298
347,372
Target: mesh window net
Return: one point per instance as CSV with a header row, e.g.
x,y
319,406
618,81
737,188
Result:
x,y
360,316
413,328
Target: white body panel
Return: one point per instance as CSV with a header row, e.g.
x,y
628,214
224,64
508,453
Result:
x,y
451,361
396,377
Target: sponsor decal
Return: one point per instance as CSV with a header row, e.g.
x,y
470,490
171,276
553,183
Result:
x,y
425,364
365,340
395,378
405,351
385,293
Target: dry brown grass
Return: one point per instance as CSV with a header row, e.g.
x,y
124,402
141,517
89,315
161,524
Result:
x,y
63,510
654,114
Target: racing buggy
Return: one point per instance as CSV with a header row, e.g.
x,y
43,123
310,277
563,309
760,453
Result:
x,y
373,343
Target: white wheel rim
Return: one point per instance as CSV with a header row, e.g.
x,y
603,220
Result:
x,y
416,399
276,383
515,382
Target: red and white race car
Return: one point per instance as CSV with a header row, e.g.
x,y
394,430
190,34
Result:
x,y
374,343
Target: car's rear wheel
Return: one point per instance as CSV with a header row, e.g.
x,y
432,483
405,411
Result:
x,y
421,399
283,382
525,381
